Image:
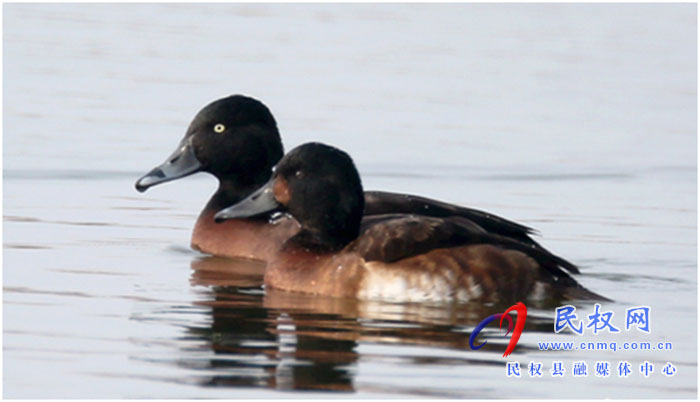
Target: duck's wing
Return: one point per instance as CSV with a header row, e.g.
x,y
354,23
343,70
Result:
x,y
380,202
392,237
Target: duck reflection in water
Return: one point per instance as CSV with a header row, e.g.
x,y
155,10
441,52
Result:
x,y
261,346
290,341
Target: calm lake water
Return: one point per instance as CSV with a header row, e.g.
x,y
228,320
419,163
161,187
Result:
x,y
579,120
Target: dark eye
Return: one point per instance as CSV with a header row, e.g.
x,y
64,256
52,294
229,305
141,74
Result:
x,y
219,128
299,174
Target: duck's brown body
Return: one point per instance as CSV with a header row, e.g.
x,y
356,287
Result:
x,y
241,238
413,258
467,273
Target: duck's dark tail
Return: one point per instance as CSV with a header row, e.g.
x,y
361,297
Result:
x,y
581,293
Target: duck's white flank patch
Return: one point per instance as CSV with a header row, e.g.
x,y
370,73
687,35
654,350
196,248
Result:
x,y
475,290
538,292
384,283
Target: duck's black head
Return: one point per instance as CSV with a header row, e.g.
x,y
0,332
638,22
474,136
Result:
x,y
320,187
234,138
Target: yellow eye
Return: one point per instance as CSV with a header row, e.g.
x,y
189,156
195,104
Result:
x,y
219,128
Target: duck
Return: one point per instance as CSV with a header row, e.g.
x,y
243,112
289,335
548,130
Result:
x,y
236,139
341,251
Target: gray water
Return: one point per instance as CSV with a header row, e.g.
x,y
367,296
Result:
x,y
579,120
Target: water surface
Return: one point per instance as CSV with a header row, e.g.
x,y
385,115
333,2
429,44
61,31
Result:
x,y
579,120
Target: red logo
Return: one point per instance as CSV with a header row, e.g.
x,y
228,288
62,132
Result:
x,y
520,317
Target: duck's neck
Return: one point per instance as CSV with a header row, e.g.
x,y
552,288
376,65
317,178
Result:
x,y
330,231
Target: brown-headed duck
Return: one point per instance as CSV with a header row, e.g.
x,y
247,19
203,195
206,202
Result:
x,y
341,251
